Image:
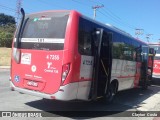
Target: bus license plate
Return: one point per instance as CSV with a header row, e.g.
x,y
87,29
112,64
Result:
x,y
32,83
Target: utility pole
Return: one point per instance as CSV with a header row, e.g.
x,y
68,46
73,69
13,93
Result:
x,y
148,37
18,9
94,10
138,32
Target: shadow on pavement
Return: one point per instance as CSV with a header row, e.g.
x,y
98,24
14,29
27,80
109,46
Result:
x,y
128,100
156,81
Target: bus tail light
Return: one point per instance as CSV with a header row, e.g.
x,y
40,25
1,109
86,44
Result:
x,y
16,55
65,71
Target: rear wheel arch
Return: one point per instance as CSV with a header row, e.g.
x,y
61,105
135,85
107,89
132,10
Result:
x,y
114,83
112,90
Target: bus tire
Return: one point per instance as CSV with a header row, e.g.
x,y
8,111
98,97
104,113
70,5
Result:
x,y
111,93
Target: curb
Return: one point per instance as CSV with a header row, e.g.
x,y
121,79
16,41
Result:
x,y
4,67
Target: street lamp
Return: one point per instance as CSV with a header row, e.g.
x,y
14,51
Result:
x,y
148,37
94,10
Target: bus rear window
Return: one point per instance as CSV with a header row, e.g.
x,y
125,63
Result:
x,y
45,32
156,48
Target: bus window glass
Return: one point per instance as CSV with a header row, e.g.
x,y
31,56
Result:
x,y
84,42
46,33
157,50
138,54
118,50
145,52
129,52
52,27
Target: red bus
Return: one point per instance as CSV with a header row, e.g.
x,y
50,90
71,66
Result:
x,y
64,55
156,62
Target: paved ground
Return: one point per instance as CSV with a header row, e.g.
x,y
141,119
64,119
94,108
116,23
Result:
x,y
131,100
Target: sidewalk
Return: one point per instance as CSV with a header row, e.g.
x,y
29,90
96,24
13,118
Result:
x,y
5,67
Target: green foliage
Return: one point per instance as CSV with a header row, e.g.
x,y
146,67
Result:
x,y
7,28
6,19
6,39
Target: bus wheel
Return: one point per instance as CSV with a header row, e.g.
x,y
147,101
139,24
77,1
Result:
x,y
111,93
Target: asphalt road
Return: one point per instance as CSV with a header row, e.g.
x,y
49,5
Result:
x,y
130,100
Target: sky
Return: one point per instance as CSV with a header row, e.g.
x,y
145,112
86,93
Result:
x,y
126,15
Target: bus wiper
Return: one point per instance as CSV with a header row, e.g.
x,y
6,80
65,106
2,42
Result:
x,y
20,29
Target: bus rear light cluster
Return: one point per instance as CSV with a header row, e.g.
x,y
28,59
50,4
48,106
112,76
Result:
x,y
16,55
65,71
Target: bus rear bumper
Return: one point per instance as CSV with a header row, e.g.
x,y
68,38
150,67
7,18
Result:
x,y
69,92
155,76
156,81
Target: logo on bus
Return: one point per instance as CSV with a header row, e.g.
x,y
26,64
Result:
x,y
49,64
50,68
26,58
33,68
16,78
87,62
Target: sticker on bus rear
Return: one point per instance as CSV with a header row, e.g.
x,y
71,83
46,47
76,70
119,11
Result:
x,y
26,58
86,67
16,78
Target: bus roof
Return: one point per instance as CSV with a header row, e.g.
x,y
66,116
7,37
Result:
x,y
154,43
112,28
48,11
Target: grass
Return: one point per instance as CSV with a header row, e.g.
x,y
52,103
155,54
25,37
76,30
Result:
x,y
5,56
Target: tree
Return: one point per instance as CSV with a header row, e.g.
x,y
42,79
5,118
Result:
x,y
6,19
7,28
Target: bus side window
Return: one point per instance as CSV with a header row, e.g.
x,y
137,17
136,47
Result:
x,y
129,52
84,44
118,50
85,37
134,55
138,54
